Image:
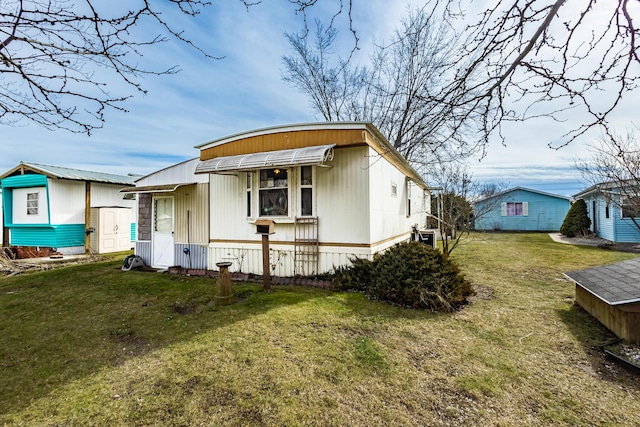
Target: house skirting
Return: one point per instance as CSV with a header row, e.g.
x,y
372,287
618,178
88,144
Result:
x,y
195,257
246,256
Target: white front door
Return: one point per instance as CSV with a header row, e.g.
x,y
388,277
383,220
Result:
x,y
162,238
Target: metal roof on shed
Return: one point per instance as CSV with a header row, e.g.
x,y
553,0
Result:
x,y
74,174
615,284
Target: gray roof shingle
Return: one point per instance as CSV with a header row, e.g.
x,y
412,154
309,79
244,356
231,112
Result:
x,y
615,284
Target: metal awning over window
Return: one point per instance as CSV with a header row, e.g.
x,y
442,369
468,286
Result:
x,y
165,188
307,156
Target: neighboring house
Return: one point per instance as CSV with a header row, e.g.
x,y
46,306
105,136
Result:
x,y
173,217
71,211
521,209
611,218
334,190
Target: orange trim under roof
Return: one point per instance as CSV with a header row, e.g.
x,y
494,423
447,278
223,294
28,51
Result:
x,y
342,134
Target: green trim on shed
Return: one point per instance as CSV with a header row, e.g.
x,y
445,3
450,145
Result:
x,y
52,236
23,181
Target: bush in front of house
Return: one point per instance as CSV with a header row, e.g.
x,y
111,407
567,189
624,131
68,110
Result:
x,y
410,274
355,277
577,221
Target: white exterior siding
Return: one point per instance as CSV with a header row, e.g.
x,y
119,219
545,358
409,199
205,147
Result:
x,y
181,173
342,196
107,195
19,210
191,208
247,257
227,208
357,215
191,214
390,219
67,199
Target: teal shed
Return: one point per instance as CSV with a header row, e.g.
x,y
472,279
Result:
x,y
51,209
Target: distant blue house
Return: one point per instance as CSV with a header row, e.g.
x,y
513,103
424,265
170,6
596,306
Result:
x,y
611,217
521,209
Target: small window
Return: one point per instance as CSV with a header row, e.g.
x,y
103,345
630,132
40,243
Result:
x,y
249,178
630,207
515,208
408,198
306,191
394,189
163,215
606,211
274,192
32,203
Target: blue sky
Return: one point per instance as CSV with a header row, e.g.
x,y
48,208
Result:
x,y
209,99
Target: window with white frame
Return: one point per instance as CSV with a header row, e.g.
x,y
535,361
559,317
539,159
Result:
x,y
306,191
629,207
274,192
32,203
408,185
249,178
515,209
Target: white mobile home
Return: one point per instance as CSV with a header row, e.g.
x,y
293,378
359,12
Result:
x,y
51,208
173,217
334,191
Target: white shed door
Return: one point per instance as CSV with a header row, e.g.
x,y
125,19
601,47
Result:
x,y
114,230
162,238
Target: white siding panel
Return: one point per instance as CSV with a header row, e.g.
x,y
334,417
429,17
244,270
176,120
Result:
x,y
106,195
19,208
389,214
192,213
227,208
66,201
177,174
143,249
342,195
247,258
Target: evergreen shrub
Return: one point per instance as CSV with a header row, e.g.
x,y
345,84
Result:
x,y
355,277
410,274
577,221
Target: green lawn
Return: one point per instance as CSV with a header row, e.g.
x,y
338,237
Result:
x,y
92,345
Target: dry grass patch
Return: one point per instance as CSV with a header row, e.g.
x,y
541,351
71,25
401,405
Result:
x,y
91,345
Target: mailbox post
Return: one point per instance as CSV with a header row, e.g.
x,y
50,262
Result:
x,y
265,227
